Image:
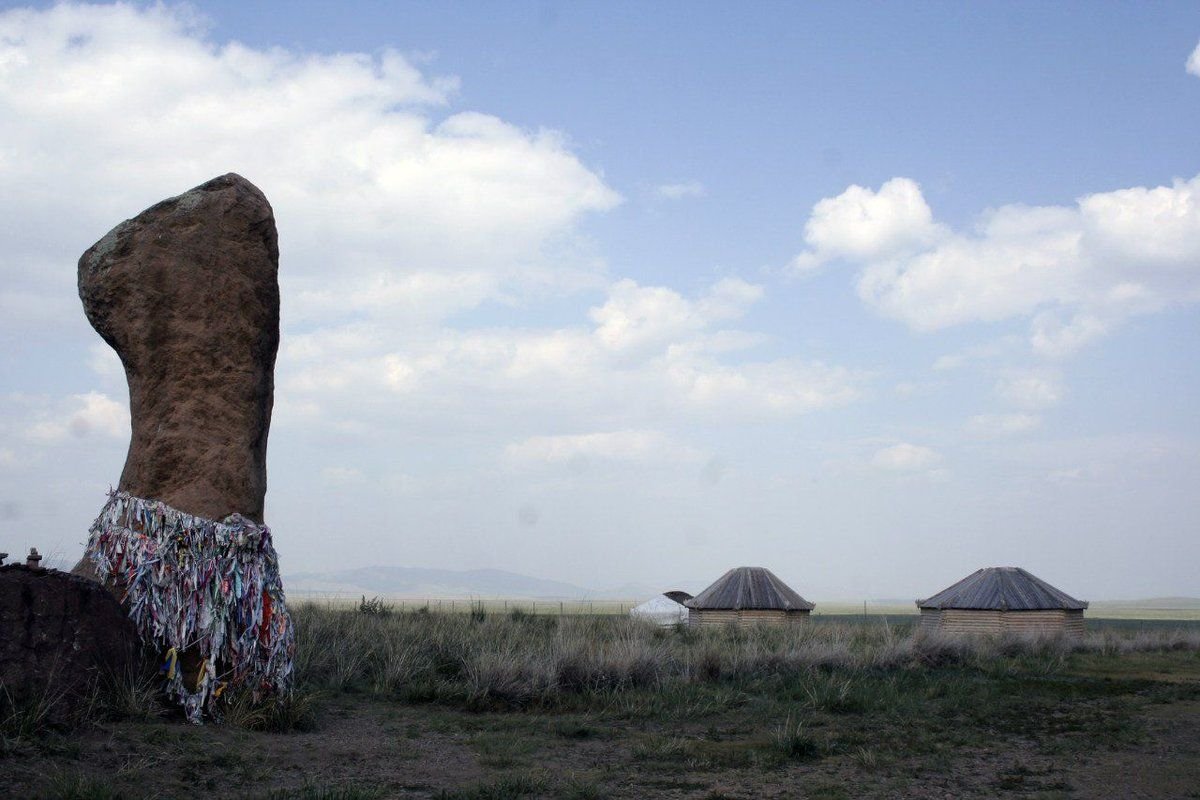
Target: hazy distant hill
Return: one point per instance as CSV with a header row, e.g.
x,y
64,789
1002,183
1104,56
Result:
x,y
419,582
1169,603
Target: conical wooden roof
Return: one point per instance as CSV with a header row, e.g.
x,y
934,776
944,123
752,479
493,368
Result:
x,y
1002,589
750,588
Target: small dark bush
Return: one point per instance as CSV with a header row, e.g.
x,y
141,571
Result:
x,y
375,607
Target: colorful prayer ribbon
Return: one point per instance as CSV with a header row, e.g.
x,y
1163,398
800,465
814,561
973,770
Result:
x,y
192,583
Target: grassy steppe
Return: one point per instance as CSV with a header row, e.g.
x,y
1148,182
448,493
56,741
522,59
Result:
x,y
482,705
1169,609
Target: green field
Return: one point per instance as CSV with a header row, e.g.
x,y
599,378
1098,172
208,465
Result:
x,y
487,706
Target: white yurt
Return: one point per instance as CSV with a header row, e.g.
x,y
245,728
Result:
x,y
664,609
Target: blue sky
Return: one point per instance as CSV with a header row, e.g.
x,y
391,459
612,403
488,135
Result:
x,y
868,294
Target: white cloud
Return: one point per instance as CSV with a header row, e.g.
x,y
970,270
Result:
x,y
627,445
1073,475
784,386
677,191
975,353
643,315
1013,267
1193,62
1033,391
949,362
909,389
341,476
81,415
1076,271
905,457
1052,337
404,299
651,354
398,212
103,361
861,224
376,191
636,316
394,215
1002,424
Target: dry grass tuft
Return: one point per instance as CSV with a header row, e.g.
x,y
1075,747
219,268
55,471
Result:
x,y
491,661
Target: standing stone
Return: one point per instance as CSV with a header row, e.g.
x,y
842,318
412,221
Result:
x,y
187,293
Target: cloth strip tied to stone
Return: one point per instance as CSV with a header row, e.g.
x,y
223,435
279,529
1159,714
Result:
x,y
195,583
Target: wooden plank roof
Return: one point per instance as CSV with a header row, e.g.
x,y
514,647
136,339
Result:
x,y
750,588
1002,589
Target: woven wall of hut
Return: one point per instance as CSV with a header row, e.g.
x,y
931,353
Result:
x,y
962,620
745,616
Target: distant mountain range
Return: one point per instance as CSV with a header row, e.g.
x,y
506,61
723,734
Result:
x,y
419,582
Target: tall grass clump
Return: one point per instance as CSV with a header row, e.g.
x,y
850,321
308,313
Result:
x,y
1116,642
25,716
519,660
73,786
134,693
35,710
507,787
290,713
791,740
314,791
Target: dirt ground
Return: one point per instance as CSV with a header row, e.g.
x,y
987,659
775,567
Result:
x,y
365,748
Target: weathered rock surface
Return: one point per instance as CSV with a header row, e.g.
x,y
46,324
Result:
x,y
59,634
187,293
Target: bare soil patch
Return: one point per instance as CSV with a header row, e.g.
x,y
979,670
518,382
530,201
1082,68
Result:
x,y
372,749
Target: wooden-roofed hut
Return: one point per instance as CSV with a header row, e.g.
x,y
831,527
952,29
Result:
x,y
1002,599
748,596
